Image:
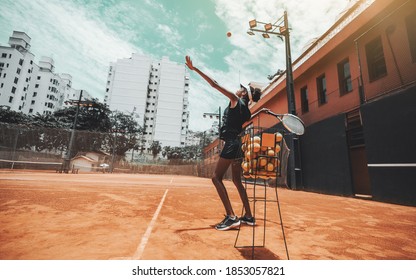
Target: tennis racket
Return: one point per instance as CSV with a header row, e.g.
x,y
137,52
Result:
x,y
291,122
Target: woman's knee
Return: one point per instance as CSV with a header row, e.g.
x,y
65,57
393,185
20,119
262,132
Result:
x,y
236,181
216,179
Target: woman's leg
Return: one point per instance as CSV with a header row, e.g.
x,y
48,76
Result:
x,y
220,169
236,173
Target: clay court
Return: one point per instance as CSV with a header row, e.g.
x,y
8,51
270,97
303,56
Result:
x,y
52,216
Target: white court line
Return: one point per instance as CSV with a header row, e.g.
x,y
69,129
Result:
x,y
139,251
391,165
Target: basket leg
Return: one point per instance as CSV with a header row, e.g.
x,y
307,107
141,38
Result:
x,y
281,223
255,199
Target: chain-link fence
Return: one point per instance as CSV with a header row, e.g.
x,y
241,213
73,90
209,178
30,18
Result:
x,y
42,148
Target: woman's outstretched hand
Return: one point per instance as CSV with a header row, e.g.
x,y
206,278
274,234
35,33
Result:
x,y
189,63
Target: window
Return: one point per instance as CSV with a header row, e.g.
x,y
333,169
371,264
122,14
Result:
x,y
37,86
13,90
304,99
34,94
21,62
30,110
18,71
411,33
321,86
16,80
4,55
33,102
10,99
375,59
344,77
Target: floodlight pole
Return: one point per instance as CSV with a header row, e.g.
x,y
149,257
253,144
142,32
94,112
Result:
x,y
289,75
291,104
71,141
283,31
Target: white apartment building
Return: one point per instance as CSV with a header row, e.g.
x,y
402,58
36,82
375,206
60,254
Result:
x,y
16,72
156,92
28,87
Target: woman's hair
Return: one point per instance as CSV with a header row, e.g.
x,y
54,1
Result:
x,y
252,95
255,93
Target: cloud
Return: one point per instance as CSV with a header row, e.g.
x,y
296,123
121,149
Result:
x,y
169,34
83,37
80,43
257,57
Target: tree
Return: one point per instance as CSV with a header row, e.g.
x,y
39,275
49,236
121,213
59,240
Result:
x,y
156,148
92,116
92,122
15,132
182,154
125,133
13,117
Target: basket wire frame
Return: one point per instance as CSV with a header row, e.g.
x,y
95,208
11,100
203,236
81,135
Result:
x,y
254,175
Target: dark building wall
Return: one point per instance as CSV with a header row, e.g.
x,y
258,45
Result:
x,y
390,138
325,159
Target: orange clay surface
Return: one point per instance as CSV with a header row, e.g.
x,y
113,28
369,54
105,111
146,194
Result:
x,y
52,216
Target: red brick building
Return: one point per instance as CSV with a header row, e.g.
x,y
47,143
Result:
x,y
355,89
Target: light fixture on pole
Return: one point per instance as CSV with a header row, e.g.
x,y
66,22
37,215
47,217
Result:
x,y
79,103
217,116
281,29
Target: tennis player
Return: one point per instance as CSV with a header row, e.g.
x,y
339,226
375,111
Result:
x,y
235,115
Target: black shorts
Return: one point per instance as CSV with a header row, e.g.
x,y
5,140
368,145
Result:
x,y
232,149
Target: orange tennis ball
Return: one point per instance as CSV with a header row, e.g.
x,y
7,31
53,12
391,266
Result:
x,y
244,147
250,155
262,161
279,136
270,153
245,165
255,147
277,149
270,167
276,162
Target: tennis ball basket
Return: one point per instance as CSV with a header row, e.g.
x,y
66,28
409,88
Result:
x,y
265,158
265,153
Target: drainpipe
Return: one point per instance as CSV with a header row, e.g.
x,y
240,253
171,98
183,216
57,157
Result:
x,y
361,92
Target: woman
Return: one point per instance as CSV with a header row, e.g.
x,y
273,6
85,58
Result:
x,y
235,115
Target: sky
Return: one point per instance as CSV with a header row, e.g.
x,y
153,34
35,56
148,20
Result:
x,y
84,36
